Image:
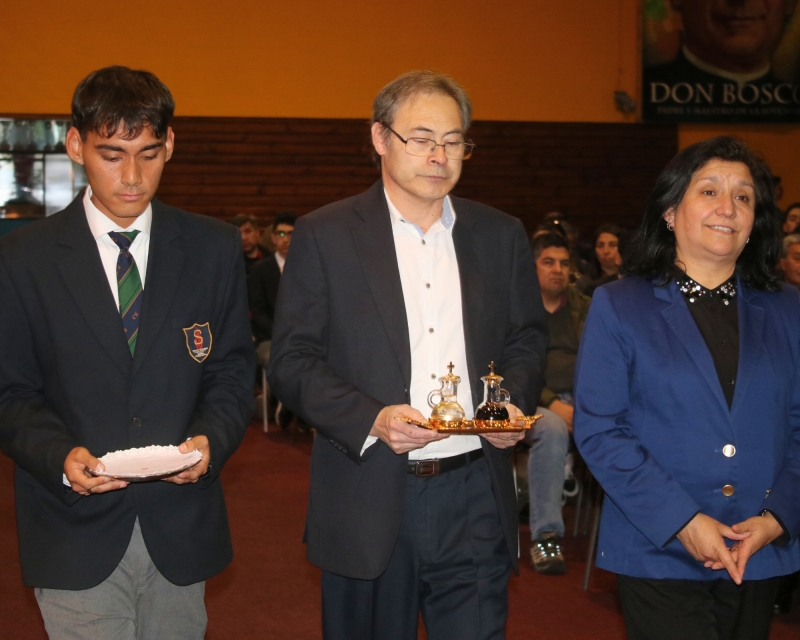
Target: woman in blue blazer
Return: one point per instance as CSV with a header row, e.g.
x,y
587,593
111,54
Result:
x,y
687,404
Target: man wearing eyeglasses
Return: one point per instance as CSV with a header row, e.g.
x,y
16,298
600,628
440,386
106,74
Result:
x,y
380,293
282,236
262,282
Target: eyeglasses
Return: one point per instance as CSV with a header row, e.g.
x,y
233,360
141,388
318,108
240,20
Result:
x,y
283,234
425,147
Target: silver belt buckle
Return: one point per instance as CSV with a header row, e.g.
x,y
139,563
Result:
x,y
426,468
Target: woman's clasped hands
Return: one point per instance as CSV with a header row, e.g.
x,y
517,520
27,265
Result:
x,y
704,539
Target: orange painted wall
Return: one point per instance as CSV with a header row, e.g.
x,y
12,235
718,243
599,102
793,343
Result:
x,y
778,144
519,59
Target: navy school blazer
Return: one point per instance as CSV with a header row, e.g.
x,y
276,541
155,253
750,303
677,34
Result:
x,y
67,379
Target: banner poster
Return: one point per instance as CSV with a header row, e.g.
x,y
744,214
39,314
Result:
x,y
721,61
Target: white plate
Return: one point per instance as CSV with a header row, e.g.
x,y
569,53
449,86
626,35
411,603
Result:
x,y
147,462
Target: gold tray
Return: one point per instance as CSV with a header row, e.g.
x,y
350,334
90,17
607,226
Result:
x,y
466,427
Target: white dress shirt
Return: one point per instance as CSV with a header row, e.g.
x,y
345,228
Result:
x,y
432,295
280,260
100,225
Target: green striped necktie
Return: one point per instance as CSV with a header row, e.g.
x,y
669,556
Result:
x,y
129,285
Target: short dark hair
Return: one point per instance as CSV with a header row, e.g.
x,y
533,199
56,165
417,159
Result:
x,y
409,85
553,226
653,251
285,217
547,240
242,219
794,205
114,96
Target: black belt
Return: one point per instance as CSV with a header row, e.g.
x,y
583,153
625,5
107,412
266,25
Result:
x,y
430,468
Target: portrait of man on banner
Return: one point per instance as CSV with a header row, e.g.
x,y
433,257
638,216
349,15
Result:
x,y
721,61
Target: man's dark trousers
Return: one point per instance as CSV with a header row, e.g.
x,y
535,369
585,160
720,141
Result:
x,y
450,562
341,353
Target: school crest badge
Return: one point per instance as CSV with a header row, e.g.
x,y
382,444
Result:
x,y
198,341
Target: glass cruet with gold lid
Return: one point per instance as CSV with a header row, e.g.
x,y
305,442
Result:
x,y
447,409
495,399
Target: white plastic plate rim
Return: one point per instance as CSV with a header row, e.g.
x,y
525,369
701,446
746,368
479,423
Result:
x,y
117,461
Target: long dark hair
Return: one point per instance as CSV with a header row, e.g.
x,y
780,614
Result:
x,y
611,229
652,253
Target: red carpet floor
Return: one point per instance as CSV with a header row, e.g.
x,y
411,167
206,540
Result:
x,y
272,592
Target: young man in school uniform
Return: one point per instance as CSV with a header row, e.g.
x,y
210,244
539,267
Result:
x,y
123,324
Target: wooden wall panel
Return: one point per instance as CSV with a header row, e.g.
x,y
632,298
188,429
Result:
x,y
594,172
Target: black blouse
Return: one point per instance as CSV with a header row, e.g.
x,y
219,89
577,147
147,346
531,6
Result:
x,y
717,317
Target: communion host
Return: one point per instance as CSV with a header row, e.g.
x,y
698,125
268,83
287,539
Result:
x,y
123,324
379,294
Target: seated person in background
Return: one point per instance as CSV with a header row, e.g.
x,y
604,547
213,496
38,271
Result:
x,y
792,219
790,260
555,222
549,438
248,226
570,229
607,259
265,276
263,281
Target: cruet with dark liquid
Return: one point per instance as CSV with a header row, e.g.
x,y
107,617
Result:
x,y
495,399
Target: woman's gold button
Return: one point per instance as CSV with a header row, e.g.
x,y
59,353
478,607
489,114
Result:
x,y
728,451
